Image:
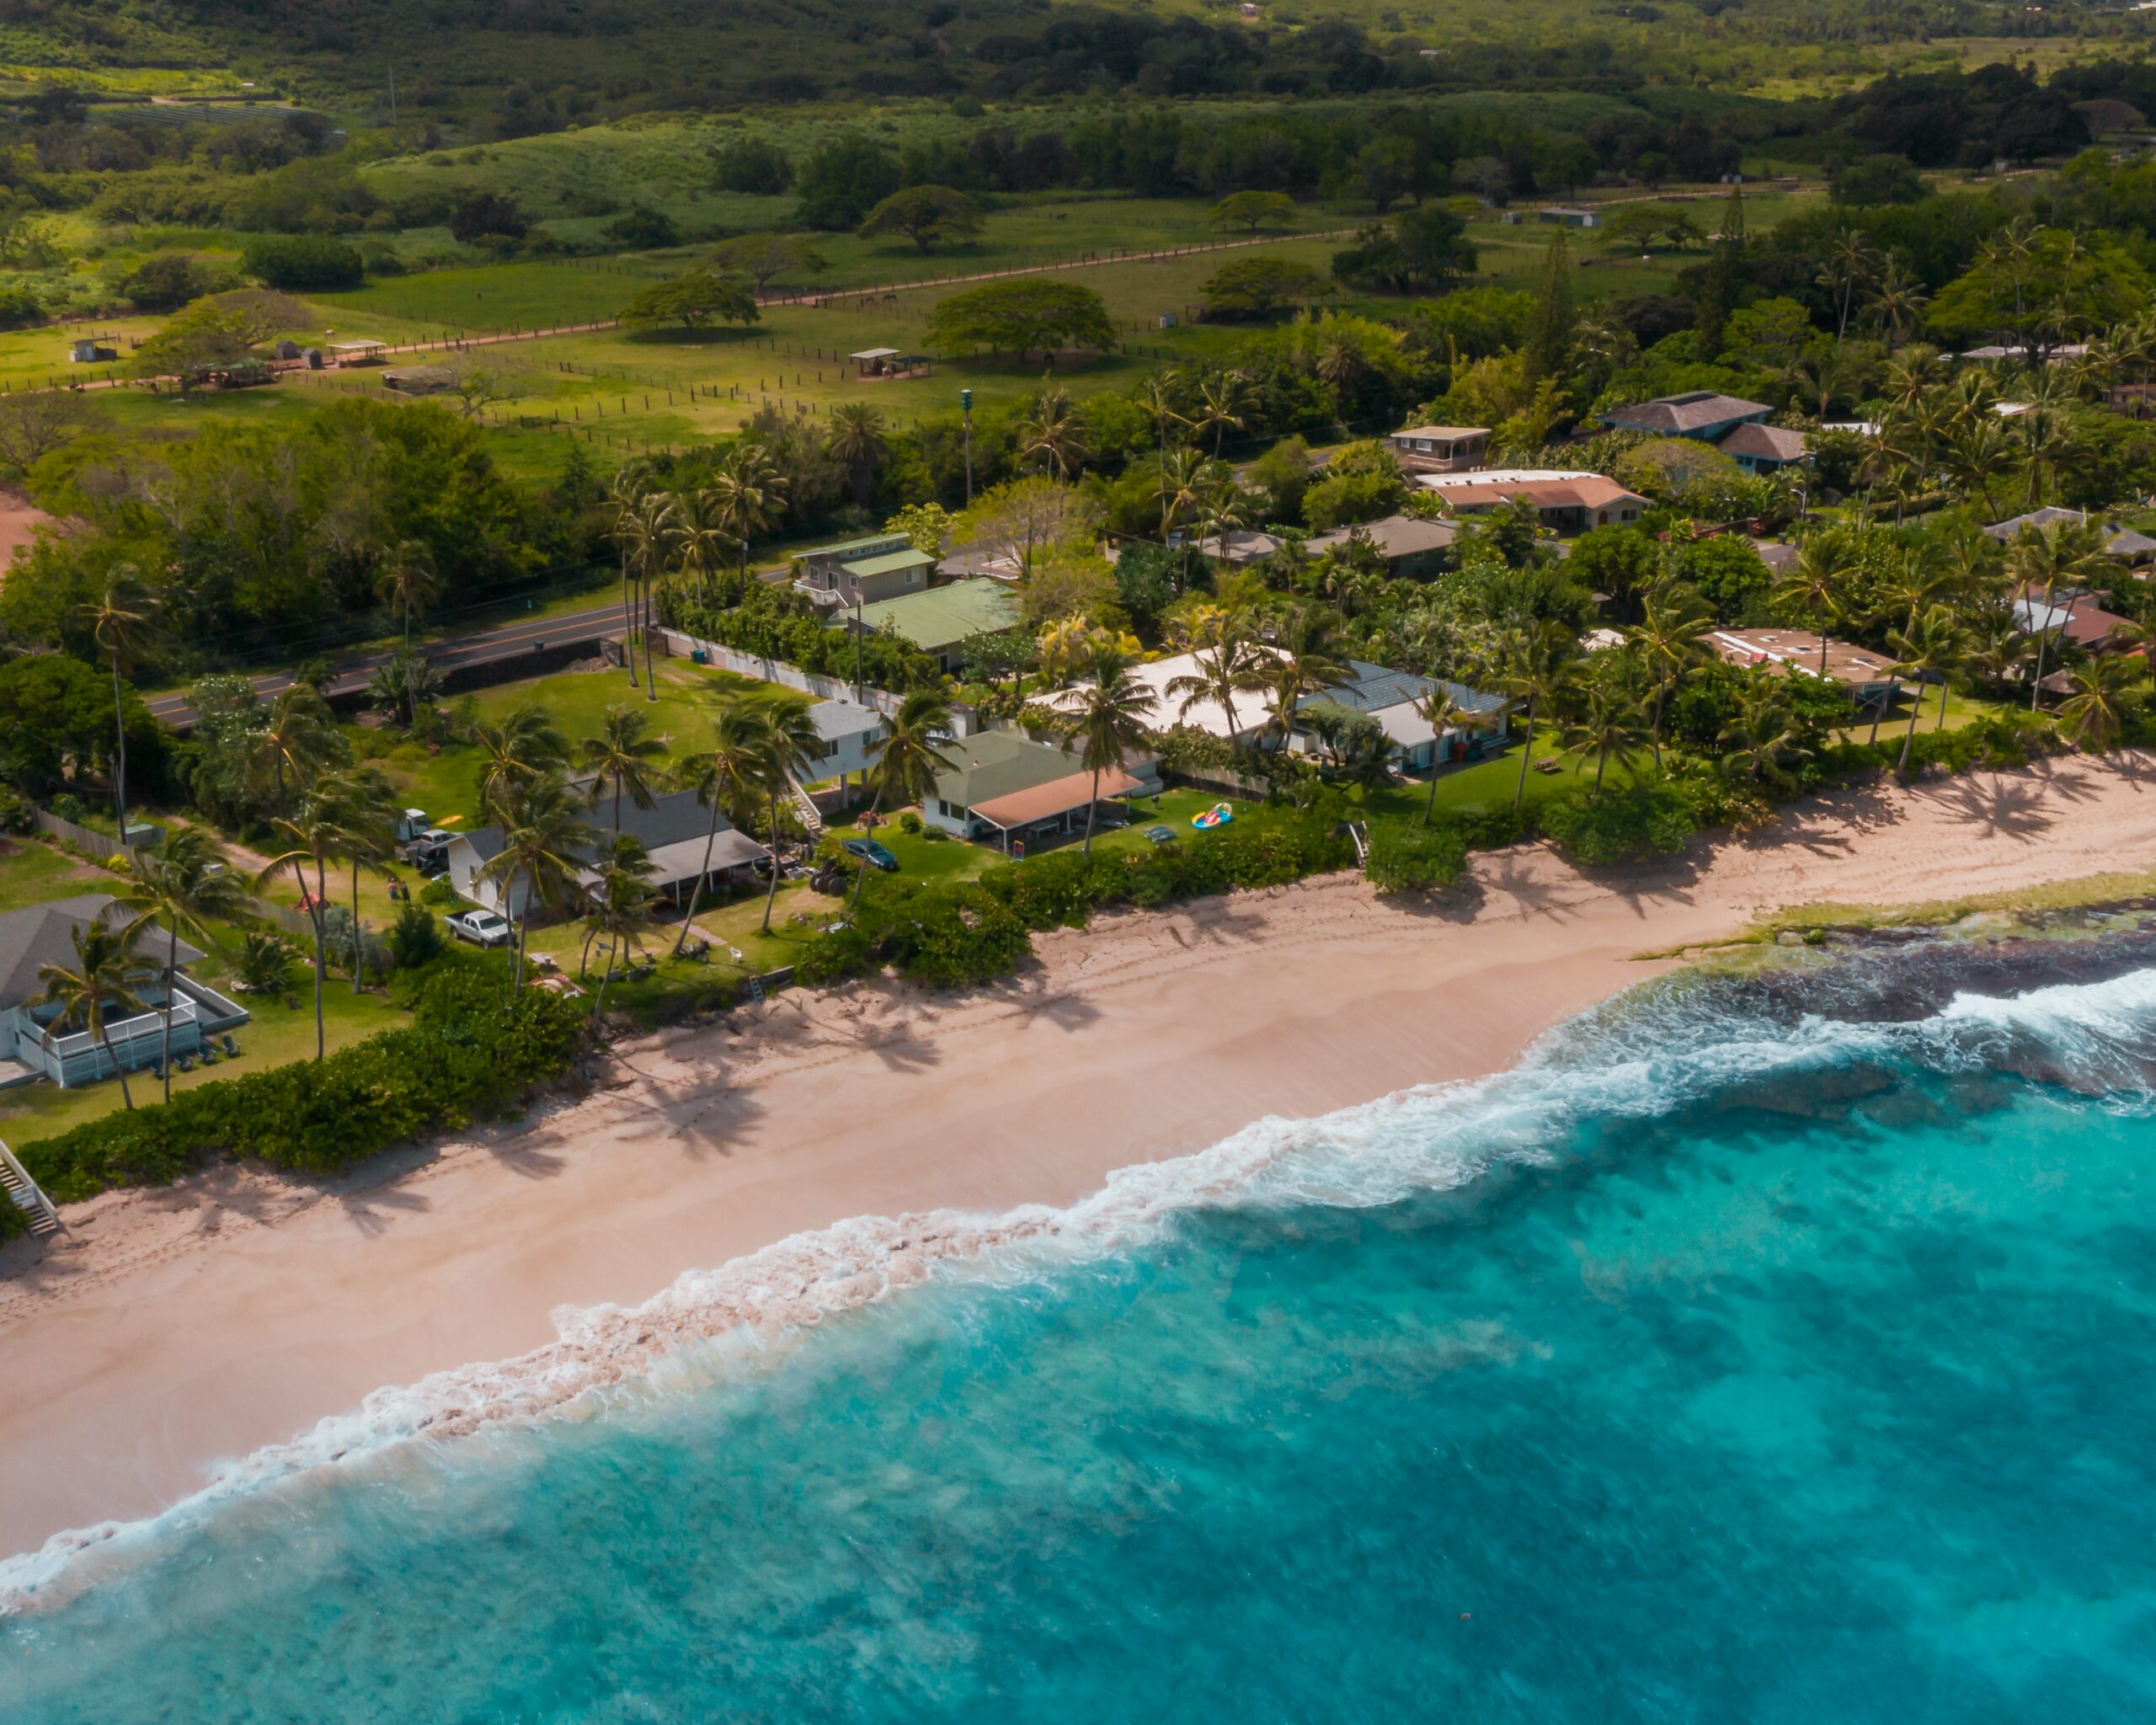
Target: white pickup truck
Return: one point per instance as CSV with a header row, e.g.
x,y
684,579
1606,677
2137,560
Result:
x,y
482,928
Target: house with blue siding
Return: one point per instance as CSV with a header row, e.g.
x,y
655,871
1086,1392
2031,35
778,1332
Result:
x,y
1736,427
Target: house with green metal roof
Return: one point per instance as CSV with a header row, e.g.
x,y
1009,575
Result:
x,y
1015,793
937,620
863,571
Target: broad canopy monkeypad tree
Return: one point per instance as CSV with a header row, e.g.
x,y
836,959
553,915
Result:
x,y
1023,316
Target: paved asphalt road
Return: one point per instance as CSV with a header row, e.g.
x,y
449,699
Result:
x,y
600,623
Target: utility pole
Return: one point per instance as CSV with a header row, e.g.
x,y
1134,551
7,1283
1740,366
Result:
x,y
966,406
857,643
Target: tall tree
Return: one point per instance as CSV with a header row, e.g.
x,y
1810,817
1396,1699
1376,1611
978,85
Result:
x,y
1231,665
906,758
785,744
107,969
726,778
627,752
1549,345
1107,718
544,837
857,443
1537,675
185,882
313,834
124,623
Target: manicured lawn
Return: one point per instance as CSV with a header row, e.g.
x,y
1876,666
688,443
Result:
x,y
279,1031
32,873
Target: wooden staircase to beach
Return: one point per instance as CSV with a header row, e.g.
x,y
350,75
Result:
x,y
16,1183
805,805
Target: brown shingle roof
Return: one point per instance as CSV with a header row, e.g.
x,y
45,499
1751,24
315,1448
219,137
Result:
x,y
1773,443
1685,413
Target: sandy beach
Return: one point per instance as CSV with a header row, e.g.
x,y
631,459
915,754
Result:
x,y
169,1329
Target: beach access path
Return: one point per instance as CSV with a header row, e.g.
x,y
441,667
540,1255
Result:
x,y
167,1329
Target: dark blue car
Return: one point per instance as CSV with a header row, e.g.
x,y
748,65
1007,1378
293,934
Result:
x,y
871,853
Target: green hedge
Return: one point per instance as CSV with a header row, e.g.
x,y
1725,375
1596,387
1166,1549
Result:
x,y
468,1052
1406,855
945,933
12,1220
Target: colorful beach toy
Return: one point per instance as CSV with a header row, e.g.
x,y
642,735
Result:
x,y
1219,814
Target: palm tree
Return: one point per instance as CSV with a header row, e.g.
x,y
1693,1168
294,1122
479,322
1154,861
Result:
x,y
407,582
751,491
647,531
1929,649
1671,638
856,442
1537,675
295,740
2095,713
621,907
1222,400
314,834
1815,582
123,623
1761,736
1611,723
1897,301
2067,553
544,835
1305,661
1441,710
1850,263
523,747
622,494
699,536
1182,485
626,752
107,968
1221,508
907,757
1982,450
1107,717
366,807
184,881
1053,436
1232,664
785,744
726,781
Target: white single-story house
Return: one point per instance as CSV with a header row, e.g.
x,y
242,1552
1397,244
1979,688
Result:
x,y
675,832
1014,792
31,1035
1387,696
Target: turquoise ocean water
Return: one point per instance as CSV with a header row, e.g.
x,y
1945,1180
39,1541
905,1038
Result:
x,y
1771,1350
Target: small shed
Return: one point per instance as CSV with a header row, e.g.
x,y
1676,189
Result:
x,y
358,353
1571,216
879,362
287,349
91,350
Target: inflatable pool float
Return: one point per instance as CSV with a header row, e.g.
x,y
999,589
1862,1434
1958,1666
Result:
x,y
1219,814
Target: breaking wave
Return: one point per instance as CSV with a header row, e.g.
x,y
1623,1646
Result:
x,y
1661,1049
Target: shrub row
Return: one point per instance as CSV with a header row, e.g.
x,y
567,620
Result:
x,y
467,1053
945,933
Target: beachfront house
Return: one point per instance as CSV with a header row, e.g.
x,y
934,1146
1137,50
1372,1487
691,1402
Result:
x,y
846,736
1862,672
863,571
1568,502
674,831
34,1044
1390,696
1018,794
936,622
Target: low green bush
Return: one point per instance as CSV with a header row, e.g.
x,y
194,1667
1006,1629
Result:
x,y
12,1221
468,1052
1406,855
1628,826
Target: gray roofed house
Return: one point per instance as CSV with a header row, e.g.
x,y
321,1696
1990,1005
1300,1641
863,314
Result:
x,y
1702,413
846,733
2121,542
673,830
30,1046
1763,449
1411,547
1391,698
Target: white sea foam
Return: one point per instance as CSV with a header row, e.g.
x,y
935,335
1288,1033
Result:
x,y
1639,1061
